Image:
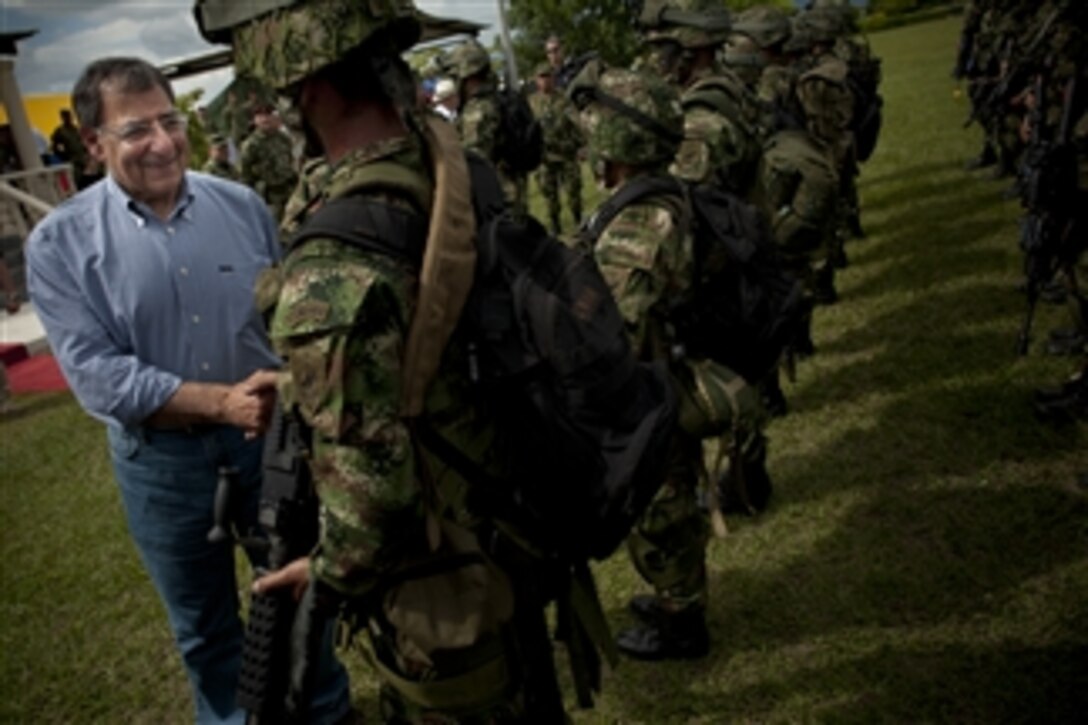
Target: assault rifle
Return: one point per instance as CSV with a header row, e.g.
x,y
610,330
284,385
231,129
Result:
x,y
1048,187
273,681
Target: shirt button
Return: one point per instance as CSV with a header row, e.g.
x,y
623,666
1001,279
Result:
x,y
184,271
205,366
169,230
196,319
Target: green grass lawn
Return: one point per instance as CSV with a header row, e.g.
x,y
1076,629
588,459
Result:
x,y
925,558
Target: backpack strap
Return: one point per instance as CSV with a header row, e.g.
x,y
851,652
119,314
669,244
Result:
x,y
369,225
633,191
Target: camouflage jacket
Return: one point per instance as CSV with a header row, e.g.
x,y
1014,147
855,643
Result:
x,y
479,124
645,255
222,169
268,164
722,132
340,321
562,136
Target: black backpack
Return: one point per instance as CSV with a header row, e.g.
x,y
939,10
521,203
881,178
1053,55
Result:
x,y
521,138
744,309
586,429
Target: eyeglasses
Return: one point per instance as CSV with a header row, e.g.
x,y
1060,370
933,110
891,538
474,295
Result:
x,y
137,132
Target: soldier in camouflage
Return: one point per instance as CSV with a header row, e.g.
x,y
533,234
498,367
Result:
x,y
723,135
218,163
395,544
562,145
267,160
645,255
479,122
827,102
798,179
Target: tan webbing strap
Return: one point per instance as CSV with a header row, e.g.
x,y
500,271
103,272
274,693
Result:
x,y
449,264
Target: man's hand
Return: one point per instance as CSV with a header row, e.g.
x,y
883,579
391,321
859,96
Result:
x,y
295,575
249,404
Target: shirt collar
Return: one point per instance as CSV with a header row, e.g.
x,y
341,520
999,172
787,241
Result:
x,y
140,213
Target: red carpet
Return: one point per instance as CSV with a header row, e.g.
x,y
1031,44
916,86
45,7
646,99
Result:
x,y
37,374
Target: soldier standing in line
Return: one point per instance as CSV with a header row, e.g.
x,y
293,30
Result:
x,y
218,163
828,105
479,121
267,159
722,134
562,145
645,254
798,183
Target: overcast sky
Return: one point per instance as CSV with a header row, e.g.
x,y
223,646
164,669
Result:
x,y
72,33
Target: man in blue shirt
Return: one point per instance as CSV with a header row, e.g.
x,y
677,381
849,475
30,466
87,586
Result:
x,y
144,283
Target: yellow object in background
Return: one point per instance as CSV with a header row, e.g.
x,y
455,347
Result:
x,y
42,110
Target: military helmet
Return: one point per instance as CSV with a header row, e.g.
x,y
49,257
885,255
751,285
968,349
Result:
x,y
280,42
691,23
767,25
468,59
629,117
815,27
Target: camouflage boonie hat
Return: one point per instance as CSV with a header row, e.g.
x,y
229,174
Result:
x,y
691,23
543,69
628,117
280,42
469,59
767,25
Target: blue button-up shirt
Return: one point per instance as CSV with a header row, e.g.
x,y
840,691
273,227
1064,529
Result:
x,y
134,305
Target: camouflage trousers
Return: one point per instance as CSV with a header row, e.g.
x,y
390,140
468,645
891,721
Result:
x,y
668,544
562,175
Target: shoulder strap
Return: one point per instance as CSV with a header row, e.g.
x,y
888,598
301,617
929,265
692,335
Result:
x,y
367,224
631,192
448,267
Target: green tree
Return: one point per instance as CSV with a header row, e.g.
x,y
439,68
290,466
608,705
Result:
x,y
604,26
198,138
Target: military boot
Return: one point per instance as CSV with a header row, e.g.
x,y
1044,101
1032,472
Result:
x,y
667,636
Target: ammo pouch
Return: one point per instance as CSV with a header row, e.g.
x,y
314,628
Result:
x,y
439,624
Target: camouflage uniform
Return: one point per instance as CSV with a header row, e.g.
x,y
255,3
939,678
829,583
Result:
x,y
479,122
268,166
645,255
722,131
562,144
340,318
798,181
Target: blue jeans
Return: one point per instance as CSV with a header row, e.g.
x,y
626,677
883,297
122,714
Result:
x,y
167,481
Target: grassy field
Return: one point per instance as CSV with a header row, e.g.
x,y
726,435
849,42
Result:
x,y
925,558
